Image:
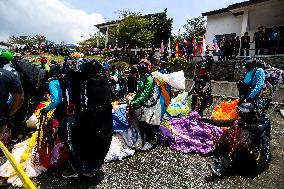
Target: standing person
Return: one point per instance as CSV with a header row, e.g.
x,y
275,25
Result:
x,y
146,107
132,80
259,39
236,46
274,38
222,49
245,44
9,84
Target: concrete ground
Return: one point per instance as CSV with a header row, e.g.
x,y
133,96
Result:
x,y
165,168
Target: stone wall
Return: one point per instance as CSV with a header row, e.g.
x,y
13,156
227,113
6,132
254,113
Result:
x,y
229,89
232,70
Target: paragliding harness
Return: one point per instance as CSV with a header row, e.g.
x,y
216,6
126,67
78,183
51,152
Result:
x,y
82,80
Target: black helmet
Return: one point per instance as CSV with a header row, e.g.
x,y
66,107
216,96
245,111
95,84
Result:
x,y
246,107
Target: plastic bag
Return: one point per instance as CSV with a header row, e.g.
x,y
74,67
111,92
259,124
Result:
x,y
132,136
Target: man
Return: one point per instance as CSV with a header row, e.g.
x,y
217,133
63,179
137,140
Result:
x,y
9,84
43,64
245,44
259,39
146,106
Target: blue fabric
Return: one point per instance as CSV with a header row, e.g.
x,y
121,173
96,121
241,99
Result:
x,y
55,94
257,81
120,122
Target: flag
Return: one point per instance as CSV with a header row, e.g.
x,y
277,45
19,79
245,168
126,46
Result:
x,y
162,49
203,45
177,50
194,46
215,45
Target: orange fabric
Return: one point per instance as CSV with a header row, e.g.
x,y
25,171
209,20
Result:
x,y
226,110
164,91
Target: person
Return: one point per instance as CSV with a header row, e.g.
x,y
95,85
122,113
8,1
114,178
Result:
x,y
274,38
259,39
9,84
43,64
245,44
146,107
201,89
244,147
132,80
251,86
236,46
207,51
55,92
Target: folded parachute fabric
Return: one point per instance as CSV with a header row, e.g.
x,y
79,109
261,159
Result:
x,y
179,106
23,154
175,79
190,134
226,111
120,122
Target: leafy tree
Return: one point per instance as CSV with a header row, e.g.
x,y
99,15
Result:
x,y
134,30
162,27
26,40
195,26
92,41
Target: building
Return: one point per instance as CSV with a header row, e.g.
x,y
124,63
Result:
x,y
238,18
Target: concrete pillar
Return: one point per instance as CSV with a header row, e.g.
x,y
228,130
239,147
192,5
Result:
x,y
98,38
106,41
244,22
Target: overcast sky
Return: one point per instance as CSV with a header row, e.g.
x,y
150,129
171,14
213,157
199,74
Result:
x,y
73,20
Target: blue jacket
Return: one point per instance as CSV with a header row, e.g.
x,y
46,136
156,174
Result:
x,y
55,94
257,81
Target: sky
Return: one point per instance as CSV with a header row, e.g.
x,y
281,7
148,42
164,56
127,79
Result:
x,y
73,20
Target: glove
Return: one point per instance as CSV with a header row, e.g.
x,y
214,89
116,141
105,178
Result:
x,y
43,111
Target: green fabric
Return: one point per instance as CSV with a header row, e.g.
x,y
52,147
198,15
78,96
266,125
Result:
x,y
145,87
7,54
46,67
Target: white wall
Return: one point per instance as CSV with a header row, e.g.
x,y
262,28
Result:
x,y
225,23
267,14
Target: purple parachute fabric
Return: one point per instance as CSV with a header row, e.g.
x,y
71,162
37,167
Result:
x,y
190,135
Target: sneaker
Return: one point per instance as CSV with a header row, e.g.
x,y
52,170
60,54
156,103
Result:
x,y
69,173
147,146
215,168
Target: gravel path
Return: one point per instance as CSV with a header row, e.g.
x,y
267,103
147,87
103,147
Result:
x,y
164,168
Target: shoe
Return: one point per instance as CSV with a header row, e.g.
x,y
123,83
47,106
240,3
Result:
x,y
69,173
147,146
215,168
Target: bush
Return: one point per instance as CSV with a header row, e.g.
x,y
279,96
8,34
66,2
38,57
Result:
x,y
177,64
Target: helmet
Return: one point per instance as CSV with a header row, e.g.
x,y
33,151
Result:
x,y
6,55
246,107
142,68
249,63
43,60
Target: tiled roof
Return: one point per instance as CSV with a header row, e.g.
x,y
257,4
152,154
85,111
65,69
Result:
x,y
116,21
233,6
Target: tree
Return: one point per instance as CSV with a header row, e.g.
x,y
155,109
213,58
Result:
x,y
134,31
162,27
92,42
195,26
26,40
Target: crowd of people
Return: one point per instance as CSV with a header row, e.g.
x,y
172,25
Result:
x,y
90,108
